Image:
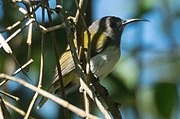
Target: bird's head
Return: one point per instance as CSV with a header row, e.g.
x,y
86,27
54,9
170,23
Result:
x,y
111,26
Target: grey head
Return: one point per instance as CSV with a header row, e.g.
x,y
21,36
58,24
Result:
x,y
111,26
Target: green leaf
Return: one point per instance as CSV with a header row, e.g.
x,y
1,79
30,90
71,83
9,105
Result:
x,y
165,98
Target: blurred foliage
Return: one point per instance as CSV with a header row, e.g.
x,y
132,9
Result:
x,y
145,81
165,98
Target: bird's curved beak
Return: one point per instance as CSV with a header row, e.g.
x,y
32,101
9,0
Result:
x,y
125,22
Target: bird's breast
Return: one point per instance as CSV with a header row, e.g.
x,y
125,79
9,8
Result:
x,y
103,63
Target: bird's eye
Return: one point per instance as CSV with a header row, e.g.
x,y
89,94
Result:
x,y
112,24
120,26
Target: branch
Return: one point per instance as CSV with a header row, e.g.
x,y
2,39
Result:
x,y
112,107
41,70
21,112
46,94
53,36
84,87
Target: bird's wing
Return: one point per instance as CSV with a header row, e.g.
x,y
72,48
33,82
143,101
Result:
x,y
67,64
98,41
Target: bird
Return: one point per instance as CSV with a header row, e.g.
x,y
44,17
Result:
x,y
105,40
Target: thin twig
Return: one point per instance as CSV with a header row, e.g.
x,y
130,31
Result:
x,y
21,112
22,10
50,29
52,97
17,71
18,31
70,38
41,70
85,87
29,40
4,113
79,35
5,45
9,95
66,112
112,107
14,25
23,66
86,103
18,64
81,7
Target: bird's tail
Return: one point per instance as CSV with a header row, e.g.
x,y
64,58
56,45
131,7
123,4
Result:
x,y
51,90
55,89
